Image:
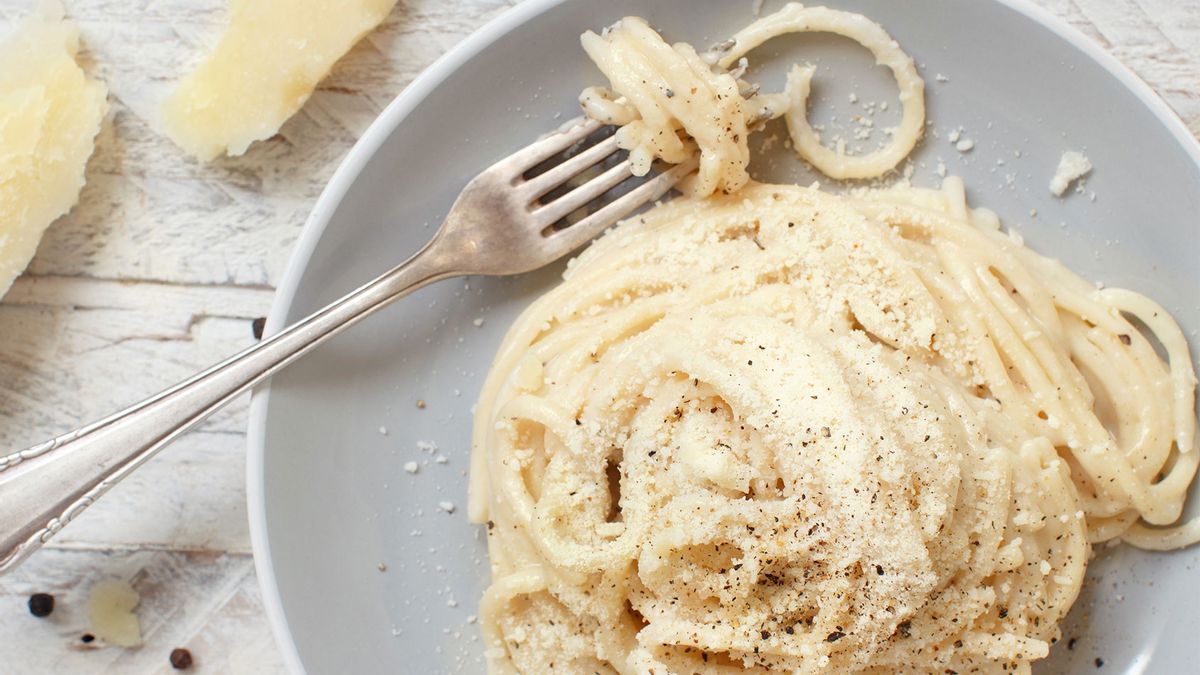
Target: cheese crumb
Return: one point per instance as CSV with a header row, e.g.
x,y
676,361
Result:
x,y
265,66
448,507
1071,166
110,610
411,467
50,114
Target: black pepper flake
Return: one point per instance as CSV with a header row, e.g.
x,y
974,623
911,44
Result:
x,y
790,630
766,635
87,638
1071,643
879,570
958,644
491,524
835,636
41,605
578,422
257,326
670,94
181,659
904,629
1003,612
1099,662
1125,339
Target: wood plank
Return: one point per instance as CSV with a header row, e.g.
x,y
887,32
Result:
x,y
160,269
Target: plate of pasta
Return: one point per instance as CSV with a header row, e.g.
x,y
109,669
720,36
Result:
x,y
900,381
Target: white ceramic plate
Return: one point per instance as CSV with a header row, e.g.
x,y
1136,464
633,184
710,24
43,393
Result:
x,y
329,500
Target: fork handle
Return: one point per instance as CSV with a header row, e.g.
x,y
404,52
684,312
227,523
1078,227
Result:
x,y
44,487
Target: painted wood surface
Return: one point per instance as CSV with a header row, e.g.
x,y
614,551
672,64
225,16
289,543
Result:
x,y
161,268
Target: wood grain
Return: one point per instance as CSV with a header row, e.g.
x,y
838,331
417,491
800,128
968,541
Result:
x,y
164,264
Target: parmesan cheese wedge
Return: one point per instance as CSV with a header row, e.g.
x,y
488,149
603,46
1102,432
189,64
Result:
x,y
262,70
50,113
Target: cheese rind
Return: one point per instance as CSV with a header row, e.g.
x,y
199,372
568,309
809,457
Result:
x,y
50,113
265,66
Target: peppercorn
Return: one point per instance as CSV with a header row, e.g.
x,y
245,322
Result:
x,y
181,659
41,604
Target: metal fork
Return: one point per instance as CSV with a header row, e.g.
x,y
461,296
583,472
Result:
x,y
497,226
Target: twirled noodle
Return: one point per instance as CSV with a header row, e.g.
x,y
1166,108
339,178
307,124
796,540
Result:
x,y
664,89
669,101
796,18
787,430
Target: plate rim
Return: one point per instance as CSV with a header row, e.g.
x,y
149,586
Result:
x,y
390,119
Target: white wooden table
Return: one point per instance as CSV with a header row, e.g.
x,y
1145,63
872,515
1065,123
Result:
x,y
164,264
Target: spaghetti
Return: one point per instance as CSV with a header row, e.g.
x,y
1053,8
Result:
x,y
671,101
788,430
